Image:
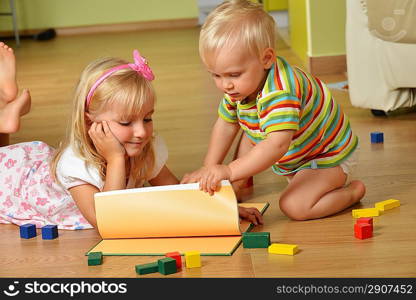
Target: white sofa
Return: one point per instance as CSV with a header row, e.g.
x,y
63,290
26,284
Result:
x,y
381,54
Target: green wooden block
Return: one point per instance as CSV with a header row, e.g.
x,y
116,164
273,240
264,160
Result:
x,y
256,239
147,268
167,265
95,258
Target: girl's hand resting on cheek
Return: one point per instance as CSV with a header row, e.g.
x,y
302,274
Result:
x,y
105,142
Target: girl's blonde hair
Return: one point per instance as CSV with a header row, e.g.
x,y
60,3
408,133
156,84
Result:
x,y
125,89
237,22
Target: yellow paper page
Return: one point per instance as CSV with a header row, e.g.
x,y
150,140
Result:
x,y
167,211
211,245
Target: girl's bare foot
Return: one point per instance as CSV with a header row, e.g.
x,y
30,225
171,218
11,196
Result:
x,y
8,85
10,114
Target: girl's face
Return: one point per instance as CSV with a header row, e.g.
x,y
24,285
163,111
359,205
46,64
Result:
x,y
132,134
238,73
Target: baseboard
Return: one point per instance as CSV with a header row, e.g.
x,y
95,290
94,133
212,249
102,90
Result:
x,y
327,64
123,27
136,26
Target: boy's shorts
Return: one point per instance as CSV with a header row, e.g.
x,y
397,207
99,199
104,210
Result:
x,y
348,166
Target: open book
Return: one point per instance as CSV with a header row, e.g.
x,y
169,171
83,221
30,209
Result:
x,y
157,220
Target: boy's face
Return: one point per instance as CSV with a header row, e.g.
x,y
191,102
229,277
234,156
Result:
x,y
239,73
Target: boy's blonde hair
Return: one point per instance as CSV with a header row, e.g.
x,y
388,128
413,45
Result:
x,y
125,89
237,22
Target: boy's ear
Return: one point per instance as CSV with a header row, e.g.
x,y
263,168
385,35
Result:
x,y
268,58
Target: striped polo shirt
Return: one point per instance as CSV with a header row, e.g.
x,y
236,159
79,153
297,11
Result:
x,y
294,100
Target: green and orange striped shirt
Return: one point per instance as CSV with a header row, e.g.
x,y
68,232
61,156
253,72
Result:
x,y
292,99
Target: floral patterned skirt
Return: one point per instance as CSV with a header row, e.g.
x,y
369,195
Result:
x,y
28,193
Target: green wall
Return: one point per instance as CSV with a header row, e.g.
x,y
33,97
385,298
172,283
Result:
x,y
327,27
40,14
298,28
271,5
317,27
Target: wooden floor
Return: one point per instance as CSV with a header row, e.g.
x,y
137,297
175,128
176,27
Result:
x,y
185,111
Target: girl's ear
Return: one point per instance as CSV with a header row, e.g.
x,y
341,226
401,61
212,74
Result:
x,y
88,119
268,58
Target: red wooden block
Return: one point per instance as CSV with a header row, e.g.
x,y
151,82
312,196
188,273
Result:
x,y
177,257
365,221
363,231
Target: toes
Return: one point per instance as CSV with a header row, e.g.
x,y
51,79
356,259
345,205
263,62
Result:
x,y
5,47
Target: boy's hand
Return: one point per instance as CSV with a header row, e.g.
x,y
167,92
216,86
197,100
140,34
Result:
x,y
105,142
251,214
208,177
191,177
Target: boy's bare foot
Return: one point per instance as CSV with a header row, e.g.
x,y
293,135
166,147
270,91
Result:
x,y
244,194
10,114
358,190
243,189
8,85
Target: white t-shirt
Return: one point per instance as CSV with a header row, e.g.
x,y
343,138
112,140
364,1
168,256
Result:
x,y
73,171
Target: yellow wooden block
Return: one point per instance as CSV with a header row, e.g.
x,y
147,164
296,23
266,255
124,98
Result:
x,y
193,259
387,204
365,212
283,249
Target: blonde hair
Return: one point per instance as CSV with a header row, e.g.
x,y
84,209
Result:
x,y
126,89
237,22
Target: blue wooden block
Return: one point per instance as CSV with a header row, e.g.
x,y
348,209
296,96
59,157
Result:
x,y
27,231
377,137
49,232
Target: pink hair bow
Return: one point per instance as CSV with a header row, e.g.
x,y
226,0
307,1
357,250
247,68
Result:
x,y
140,66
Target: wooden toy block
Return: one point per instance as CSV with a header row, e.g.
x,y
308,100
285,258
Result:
x,y
365,221
193,259
27,231
176,256
287,249
256,239
365,212
147,268
49,232
363,231
387,204
95,258
167,266
377,137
